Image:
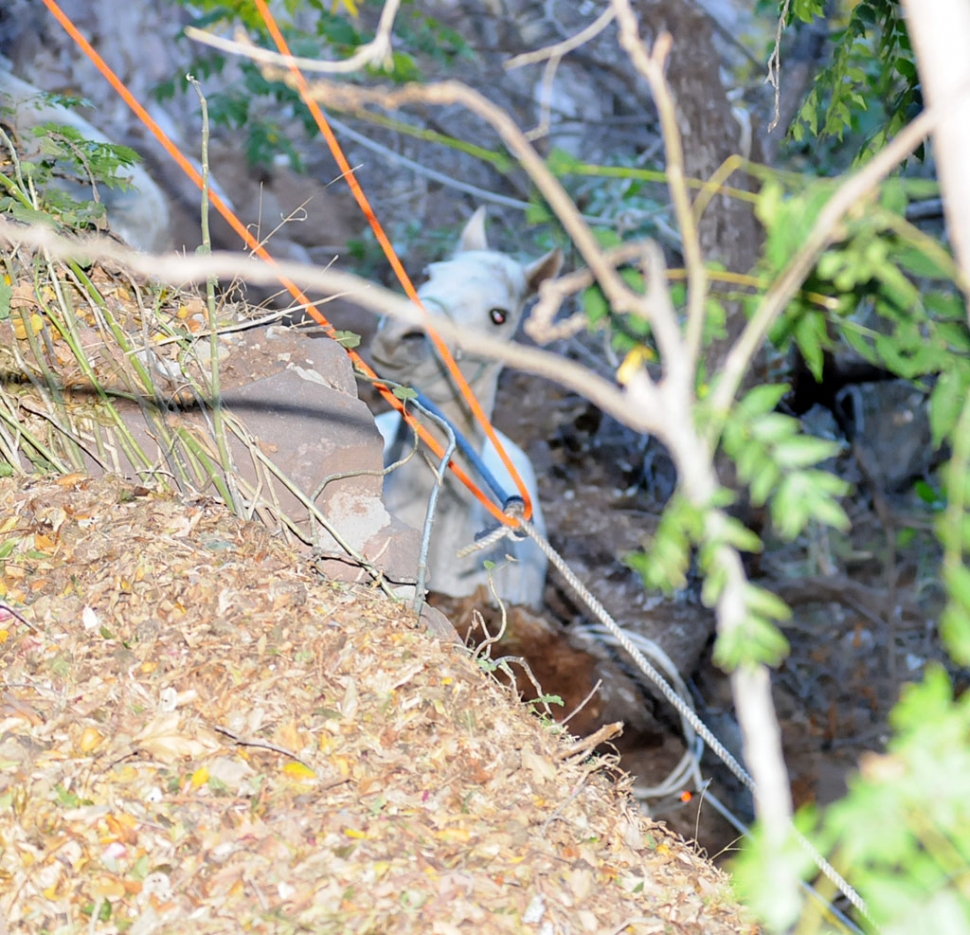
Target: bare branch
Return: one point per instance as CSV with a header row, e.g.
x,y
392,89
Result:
x,y
652,67
376,52
560,49
553,55
181,269
354,99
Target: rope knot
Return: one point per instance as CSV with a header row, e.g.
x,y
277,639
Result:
x,y
491,536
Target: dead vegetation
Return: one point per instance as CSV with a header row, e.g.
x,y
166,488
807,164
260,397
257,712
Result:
x,y
199,734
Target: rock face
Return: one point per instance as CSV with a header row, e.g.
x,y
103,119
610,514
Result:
x,y
300,217
306,455
305,415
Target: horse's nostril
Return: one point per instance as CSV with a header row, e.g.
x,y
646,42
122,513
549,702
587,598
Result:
x,y
411,337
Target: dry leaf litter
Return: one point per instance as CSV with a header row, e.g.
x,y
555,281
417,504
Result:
x,y
199,734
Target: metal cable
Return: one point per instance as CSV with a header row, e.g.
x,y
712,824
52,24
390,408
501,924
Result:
x,y
465,447
419,588
623,638
687,771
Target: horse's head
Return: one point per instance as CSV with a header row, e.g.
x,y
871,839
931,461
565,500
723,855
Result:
x,y
478,289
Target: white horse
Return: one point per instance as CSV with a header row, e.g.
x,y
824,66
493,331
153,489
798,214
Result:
x,y
482,290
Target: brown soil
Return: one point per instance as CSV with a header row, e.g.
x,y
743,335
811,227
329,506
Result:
x,y
603,490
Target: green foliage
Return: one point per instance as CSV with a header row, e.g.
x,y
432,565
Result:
x,y
626,197
904,827
665,561
777,461
872,63
544,700
347,339
66,171
626,331
757,639
807,10
65,147
264,109
759,879
423,34
953,530
888,289
885,290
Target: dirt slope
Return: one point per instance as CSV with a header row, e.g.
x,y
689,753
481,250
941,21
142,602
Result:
x,y
199,734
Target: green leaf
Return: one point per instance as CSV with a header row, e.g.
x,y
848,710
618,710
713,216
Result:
x,y
633,278
561,162
537,213
606,237
957,581
946,305
756,641
918,704
772,428
347,339
769,203
811,336
764,874
919,264
928,494
738,536
763,483
762,399
405,392
808,495
801,451
594,304
765,603
955,630
947,399
893,197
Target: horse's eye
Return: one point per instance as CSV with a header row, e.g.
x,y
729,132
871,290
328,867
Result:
x,y
498,315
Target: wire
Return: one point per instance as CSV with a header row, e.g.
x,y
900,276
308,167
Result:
x,y
223,208
468,450
345,168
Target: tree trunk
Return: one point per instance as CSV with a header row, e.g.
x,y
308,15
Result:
x,y
729,232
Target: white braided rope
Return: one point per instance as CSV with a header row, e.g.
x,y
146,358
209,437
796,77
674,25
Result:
x,y
683,708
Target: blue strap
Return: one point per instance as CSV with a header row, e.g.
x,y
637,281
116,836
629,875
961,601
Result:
x,y
472,456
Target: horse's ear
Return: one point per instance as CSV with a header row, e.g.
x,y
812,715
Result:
x,y
544,268
473,236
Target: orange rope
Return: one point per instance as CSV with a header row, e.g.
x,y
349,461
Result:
x,y
293,289
393,258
